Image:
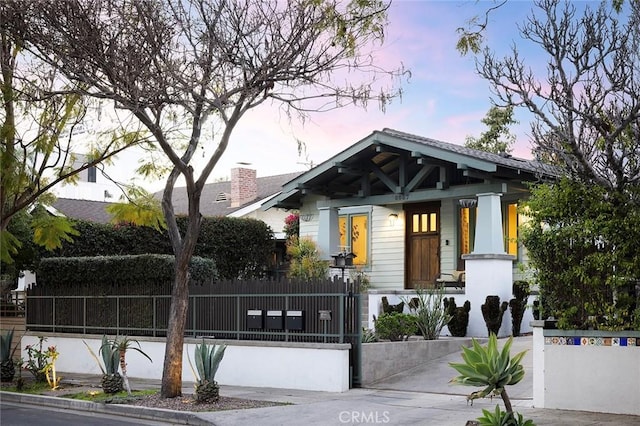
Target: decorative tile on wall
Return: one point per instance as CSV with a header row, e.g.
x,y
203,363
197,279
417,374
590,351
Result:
x,y
592,341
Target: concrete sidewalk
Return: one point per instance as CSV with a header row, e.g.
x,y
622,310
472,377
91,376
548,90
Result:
x,y
421,396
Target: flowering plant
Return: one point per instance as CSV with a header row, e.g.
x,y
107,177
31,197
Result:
x,y
292,225
41,362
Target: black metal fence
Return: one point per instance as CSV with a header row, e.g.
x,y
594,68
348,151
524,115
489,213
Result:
x,y
289,311
325,311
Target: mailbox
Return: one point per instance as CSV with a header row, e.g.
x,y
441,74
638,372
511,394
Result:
x,y
274,320
295,320
343,260
255,319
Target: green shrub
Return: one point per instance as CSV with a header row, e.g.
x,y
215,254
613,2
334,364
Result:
x,y
579,245
396,326
240,247
112,275
306,263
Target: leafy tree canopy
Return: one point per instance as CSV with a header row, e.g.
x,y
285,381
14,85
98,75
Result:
x,y
497,139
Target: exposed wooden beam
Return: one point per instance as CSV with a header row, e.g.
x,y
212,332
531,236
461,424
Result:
x,y
458,191
443,183
384,178
419,178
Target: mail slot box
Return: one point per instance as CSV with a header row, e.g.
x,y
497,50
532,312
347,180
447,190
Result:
x,y
274,320
295,320
255,319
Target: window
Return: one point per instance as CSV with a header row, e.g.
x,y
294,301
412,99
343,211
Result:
x,y
91,174
467,231
356,239
510,224
424,222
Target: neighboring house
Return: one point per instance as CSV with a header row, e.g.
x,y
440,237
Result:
x,y
91,211
406,206
242,196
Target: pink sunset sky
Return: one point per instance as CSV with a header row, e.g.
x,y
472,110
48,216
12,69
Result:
x,y
444,98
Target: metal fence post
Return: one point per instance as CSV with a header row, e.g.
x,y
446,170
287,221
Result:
x,y
154,322
117,315
84,314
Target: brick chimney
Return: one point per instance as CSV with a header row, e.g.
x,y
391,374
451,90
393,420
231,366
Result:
x,y
243,186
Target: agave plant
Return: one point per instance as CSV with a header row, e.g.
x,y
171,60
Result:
x,y
7,365
502,418
489,367
207,359
112,381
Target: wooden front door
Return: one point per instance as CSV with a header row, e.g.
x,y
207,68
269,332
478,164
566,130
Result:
x,y
423,245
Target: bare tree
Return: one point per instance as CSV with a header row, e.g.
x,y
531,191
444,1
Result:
x,y
184,63
587,109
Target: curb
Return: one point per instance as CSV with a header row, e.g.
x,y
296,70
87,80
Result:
x,y
157,414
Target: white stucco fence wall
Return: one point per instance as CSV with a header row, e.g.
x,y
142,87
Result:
x,y
396,296
304,366
593,375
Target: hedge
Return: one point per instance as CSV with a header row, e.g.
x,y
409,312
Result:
x,y
241,248
148,274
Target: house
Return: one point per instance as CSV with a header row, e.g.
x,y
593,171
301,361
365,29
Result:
x,y
242,196
413,209
89,210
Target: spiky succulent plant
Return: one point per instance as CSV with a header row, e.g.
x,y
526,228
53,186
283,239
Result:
x,y
207,359
112,381
489,367
7,365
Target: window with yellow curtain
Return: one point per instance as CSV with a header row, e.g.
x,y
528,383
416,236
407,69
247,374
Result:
x,y
511,229
467,230
356,239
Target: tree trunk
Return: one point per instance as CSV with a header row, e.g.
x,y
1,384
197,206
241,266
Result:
x,y
123,367
507,401
172,372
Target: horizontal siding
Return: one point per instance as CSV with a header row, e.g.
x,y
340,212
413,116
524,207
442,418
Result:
x,y
448,225
387,249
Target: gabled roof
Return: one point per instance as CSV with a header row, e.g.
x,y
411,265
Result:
x,y
393,162
93,211
266,187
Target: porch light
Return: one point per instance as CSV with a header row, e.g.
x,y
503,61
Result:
x,y
393,217
467,202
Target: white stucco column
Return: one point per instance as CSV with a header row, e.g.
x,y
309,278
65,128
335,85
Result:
x,y
538,372
489,270
328,233
489,237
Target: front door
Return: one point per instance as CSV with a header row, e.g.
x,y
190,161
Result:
x,y
423,245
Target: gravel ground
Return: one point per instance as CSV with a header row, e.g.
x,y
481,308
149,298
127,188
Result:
x,y
187,403
184,403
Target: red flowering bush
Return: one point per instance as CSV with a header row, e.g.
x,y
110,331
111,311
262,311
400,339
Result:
x,y
292,225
